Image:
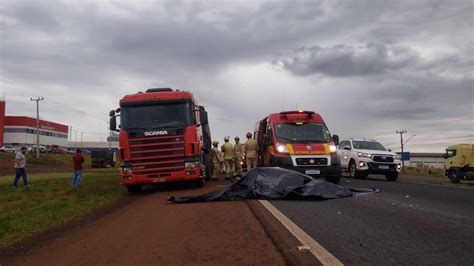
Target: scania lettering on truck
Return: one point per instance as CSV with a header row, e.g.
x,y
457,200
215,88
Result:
x,y
300,141
164,137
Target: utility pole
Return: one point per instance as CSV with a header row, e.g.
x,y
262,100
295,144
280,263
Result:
x,y
37,100
401,132
110,140
81,138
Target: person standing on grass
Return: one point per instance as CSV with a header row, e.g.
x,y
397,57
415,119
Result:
x,y
78,160
20,164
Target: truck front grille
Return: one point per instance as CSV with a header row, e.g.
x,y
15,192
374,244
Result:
x,y
311,161
157,156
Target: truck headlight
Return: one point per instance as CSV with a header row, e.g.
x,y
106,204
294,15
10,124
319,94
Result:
x,y
281,148
190,165
332,148
126,170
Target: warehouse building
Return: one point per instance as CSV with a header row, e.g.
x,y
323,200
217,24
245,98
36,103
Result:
x,y
21,131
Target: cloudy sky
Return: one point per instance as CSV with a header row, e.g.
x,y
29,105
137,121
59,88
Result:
x,y
368,67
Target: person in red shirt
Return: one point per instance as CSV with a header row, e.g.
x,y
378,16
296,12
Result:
x,y
78,160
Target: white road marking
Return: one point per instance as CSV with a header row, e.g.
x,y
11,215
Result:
x,y
307,242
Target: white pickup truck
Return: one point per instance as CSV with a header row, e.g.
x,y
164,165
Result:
x,y
362,157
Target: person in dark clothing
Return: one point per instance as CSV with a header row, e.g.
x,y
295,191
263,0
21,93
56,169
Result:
x,y
78,160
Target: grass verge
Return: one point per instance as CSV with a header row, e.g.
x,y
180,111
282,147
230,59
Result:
x,y
51,201
49,160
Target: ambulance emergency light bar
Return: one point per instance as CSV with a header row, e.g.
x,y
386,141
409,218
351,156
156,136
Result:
x,y
295,115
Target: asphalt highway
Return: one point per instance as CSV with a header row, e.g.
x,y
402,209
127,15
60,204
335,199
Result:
x,y
406,223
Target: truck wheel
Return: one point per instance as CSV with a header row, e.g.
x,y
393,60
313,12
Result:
x,y
208,168
392,176
453,176
333,179
353,170
134,189
199,183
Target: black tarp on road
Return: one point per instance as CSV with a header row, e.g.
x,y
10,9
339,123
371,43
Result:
x,y
272,183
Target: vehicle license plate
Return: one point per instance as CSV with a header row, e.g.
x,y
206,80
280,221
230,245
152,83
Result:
x,y
313,172
384,167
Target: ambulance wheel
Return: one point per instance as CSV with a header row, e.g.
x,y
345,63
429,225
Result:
x,y
333,179
132,189
453,176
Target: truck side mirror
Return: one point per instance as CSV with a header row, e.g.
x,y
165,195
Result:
x,y
203,115
112,113
113,123
335,138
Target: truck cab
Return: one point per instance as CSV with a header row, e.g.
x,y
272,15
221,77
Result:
x,y
300,141
163,137
459,162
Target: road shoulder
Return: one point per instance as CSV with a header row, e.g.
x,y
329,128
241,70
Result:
x,y
285,242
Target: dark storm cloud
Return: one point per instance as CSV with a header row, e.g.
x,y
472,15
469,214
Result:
x,y
345,60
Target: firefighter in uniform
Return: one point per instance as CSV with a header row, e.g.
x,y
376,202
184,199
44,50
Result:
x,y
251,149
216,157
228,151
238,154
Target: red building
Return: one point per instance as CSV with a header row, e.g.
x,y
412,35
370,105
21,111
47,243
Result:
x,y
21,130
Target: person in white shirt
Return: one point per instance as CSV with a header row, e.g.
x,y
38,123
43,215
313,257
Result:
x,y
20,164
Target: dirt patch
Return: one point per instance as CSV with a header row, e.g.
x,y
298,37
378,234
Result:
x,y
31,245
150,230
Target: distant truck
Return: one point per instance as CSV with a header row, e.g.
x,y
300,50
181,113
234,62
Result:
x,y
300,141
459,162
102,159
164,137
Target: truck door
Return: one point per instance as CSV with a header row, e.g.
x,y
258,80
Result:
x,y
267,145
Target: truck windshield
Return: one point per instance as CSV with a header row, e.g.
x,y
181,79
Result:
x,y
306,132
157,115
368,145
450,153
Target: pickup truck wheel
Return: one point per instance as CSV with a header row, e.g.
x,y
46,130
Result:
x,y
392,176
353,170
453,176
333,179
132,189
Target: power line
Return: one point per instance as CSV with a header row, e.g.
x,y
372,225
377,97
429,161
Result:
x,y
54,104
444,138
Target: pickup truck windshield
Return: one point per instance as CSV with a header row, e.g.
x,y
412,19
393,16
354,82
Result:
x,y
158,115
306,132
368,145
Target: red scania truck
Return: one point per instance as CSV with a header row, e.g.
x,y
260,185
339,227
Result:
x,y
300,141
164,137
